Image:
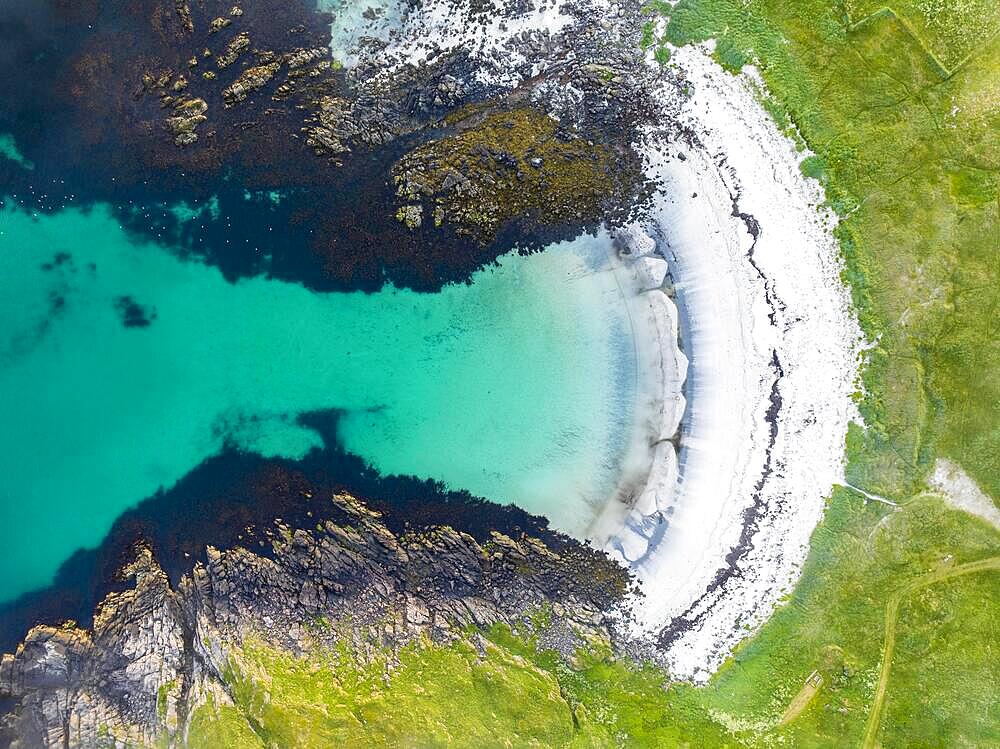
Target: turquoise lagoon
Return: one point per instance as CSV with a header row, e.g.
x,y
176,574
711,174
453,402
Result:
x,y
518,387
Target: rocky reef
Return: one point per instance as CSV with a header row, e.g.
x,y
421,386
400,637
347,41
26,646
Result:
x,y
142,108
156,652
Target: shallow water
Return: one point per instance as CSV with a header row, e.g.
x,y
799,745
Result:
x,y
8,149
122,367
354,20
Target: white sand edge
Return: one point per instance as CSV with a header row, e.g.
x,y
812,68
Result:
x,y
961,492
779,318
690,514
649,471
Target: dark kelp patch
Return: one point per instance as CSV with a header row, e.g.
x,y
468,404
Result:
x,y
158,103
152,105
133,314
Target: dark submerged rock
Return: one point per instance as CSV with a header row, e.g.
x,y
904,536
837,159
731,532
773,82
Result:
x,y
147,104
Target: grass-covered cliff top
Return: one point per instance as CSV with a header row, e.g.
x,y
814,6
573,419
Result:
x,y
496,689
505,689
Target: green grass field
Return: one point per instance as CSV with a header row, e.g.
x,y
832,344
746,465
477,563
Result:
x,y
834,622
493,690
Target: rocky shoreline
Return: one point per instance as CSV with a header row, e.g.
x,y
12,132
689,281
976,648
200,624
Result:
x,y
409,125
156,652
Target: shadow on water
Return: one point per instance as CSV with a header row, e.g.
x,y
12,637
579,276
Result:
x,y
217,502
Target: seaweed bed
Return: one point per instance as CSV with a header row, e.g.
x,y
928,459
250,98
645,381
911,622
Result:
x,y
232,500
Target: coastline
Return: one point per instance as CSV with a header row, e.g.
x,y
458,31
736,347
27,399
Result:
x,y
715,518
722,526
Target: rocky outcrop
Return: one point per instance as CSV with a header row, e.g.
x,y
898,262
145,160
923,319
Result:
x,y
302,57
187,115
184,14
336,123
592,83
156,652
73,685
252,79
218,24
235,48
511,165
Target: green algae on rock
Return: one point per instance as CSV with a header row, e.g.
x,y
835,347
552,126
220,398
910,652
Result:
x,y
507,166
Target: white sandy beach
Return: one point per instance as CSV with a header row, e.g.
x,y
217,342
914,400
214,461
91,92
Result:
x,y
773,349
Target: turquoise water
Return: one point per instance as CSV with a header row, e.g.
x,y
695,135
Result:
x,y
517,387
8,149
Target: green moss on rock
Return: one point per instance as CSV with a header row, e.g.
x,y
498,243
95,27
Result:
x,y
215,726
516,165
497,688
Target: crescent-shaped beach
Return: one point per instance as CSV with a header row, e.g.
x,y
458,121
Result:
x,y
755,321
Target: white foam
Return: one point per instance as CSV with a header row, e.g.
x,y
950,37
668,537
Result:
x,y
355,21
493,40
649,470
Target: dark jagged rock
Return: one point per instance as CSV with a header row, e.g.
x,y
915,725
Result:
x,y
218,24
187,115
252,79
156,652
235,48
184,14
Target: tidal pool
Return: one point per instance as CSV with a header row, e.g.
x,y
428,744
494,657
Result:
x,y
353,21
123,366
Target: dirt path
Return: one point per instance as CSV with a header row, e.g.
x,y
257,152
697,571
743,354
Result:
x,y
891,615
801,700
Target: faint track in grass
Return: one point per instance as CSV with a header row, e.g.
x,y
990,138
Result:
x,y
892,614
